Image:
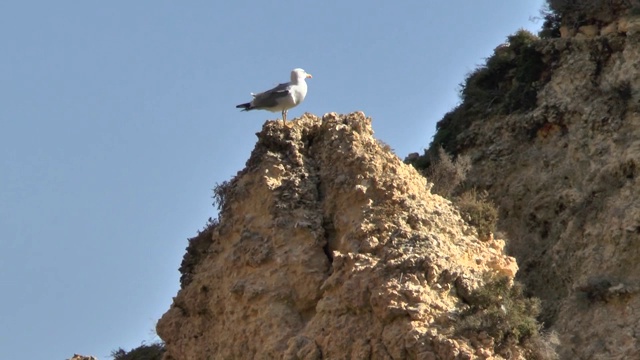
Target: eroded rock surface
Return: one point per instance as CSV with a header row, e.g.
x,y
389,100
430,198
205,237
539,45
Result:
x,y
329,247
565,176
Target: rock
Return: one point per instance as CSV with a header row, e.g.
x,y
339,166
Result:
x,y
609,29
567,32
568,189
329,247
589,30
623,25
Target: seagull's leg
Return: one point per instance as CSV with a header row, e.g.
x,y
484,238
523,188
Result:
x,y
284,117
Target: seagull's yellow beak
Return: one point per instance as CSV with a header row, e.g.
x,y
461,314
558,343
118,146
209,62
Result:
x,y
309,76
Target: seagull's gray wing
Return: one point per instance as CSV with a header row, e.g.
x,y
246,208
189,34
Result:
x,y
269,98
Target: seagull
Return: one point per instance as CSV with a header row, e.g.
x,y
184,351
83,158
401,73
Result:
x,y
282,97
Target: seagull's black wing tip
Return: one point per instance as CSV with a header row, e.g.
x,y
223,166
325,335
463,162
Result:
x,y
244,107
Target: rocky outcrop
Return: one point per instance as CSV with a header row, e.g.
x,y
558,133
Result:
x,y
628,25
329,247
566,177
82,357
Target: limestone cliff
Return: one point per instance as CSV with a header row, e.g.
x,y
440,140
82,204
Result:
x,y
329,247
565,174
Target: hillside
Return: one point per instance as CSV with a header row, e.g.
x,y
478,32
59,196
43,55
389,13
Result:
x,y
553,130
328,246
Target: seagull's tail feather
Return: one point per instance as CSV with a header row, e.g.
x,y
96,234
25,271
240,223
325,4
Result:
x,y
244,107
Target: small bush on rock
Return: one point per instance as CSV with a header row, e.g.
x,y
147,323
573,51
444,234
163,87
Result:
x,y
479,211
508,82
220,194
575,13
501,310
143,352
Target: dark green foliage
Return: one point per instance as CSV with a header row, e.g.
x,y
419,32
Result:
x,y
507,83
453,123
502,311
220,192
479,211
527,72
575,13
420,162
551,26
143,352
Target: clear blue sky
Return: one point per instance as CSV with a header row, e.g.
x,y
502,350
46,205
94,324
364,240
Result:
x,y
117,118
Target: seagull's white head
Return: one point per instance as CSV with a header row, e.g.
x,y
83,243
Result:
x,y
299,74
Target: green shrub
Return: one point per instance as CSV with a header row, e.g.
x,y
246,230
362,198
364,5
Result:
x,y
143,352
478,211
551,25
526,74
220,194
576,13
420,162
447,130
502,311
508,82
512,69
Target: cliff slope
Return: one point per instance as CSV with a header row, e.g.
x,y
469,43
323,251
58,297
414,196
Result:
x,y
329,247
565,175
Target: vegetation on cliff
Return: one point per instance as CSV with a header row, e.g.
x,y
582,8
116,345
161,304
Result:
x,y
563,168
576,13
508,82
327,246
153,351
